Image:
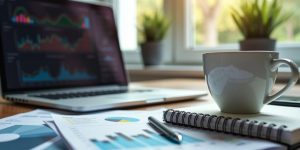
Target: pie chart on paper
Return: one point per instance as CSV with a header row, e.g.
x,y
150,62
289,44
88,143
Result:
x,y
122,119
25,136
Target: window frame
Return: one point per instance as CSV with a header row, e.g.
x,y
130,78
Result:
x,y
185,53
134,56
129,56
177,45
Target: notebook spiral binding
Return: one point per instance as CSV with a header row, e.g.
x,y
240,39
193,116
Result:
x,y
227,121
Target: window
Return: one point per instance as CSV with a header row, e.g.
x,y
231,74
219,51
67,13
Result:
x,y
212,26
198,26
225,35
211,23
130,14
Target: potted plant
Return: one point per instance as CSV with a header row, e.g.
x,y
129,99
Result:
x,y
256,20
152,31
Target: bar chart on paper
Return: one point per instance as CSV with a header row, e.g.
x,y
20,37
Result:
x,y
130,131
143,140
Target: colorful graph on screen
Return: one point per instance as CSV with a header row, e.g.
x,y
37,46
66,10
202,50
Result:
x,y
54,43
64,74
22,16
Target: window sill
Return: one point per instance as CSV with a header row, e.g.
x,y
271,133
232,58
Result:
x,y
138,72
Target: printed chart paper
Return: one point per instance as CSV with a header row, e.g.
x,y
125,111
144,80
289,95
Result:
x,y
27,131
130,130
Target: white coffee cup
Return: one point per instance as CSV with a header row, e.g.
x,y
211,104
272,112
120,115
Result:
x,y
241,82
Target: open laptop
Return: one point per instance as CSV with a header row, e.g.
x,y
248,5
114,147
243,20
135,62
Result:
x,y
66,54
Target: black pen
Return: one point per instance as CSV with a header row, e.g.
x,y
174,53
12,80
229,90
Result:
x,y
174,136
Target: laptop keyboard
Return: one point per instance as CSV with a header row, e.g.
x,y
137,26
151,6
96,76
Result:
x,y
56,96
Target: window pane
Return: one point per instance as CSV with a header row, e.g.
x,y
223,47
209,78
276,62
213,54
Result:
x,y
290,31
127,24
147,7
130,14
212,23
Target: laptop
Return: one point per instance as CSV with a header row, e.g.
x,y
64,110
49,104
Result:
x,y
66,54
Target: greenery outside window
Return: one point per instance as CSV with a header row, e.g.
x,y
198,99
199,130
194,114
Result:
x,y
198,26
212,24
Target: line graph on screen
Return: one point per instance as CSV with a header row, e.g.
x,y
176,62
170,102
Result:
x,y
54,43
22,16
43,74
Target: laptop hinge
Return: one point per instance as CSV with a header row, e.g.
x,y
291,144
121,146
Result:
x,y
110,87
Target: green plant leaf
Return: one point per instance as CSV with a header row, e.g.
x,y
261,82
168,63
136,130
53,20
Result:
x,y
259,18
154,27
237,19
264,11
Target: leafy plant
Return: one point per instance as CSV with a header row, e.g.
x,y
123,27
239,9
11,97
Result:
x,y
154,27
259,18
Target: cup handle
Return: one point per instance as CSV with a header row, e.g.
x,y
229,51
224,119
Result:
x,y
293,79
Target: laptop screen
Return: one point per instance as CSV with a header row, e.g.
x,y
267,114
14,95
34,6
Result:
x,y
53,44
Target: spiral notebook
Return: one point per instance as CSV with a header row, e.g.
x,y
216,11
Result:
x,y
275,123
